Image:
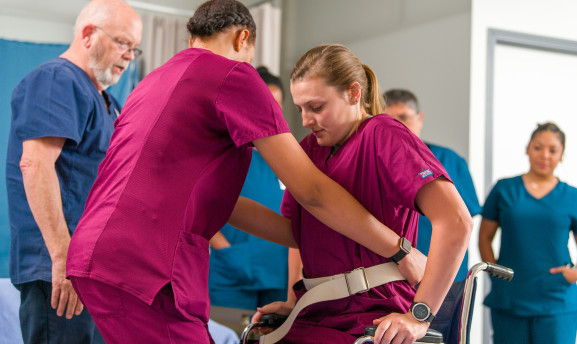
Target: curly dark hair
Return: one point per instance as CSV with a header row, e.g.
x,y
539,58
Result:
x,y
215,16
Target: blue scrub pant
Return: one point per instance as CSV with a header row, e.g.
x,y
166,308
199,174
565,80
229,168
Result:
x,y
40,324
245,299
551,329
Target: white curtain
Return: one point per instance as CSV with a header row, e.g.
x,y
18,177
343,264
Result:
x,y
162,37
268,24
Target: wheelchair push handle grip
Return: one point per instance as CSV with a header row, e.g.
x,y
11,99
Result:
x,y
500,271
272,320
370,330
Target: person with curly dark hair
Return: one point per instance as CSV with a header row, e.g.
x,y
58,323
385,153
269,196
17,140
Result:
x,y
240,276
172,177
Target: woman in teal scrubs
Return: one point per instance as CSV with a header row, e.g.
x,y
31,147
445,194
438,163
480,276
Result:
x,y
536,213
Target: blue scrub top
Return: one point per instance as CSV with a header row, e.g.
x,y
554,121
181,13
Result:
x,y
457,169
534,237
251,263
56,99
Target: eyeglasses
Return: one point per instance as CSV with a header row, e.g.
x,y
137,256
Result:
x,y
124,46
406,117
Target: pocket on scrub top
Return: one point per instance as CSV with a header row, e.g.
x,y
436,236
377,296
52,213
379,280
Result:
x,y
554,286
190,276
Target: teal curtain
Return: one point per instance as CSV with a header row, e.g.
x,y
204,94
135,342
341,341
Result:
x,y
16,60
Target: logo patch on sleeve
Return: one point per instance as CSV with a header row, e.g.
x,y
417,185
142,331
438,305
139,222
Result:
x,y
425,173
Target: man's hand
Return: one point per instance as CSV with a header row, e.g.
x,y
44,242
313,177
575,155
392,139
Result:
x,y
413,266
399,329
63,295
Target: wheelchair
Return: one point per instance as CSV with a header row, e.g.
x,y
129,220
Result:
x,y
463,326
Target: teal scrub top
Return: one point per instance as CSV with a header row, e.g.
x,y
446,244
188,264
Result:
x,y
457,169
534,237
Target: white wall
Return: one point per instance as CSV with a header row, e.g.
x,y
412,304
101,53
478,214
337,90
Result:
x,y
432,60
552,18
418,44
28,29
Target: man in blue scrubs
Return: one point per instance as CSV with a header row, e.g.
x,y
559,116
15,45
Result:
x,y
61,125
404,106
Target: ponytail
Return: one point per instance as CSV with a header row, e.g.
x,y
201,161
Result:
x,y
374,102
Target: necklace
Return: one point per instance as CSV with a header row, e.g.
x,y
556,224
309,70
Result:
x,y
539,187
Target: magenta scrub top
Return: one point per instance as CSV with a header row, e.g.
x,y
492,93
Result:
x,y
383,165
176,164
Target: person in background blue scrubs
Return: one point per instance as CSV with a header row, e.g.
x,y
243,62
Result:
x,y
536,213
404,106
245,271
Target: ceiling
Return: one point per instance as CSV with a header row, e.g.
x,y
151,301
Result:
x,y
68,9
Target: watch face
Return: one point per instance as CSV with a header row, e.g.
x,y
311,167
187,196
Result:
x,y
420,311
406,245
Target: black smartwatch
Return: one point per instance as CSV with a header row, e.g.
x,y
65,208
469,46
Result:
x,y
422,312
404,249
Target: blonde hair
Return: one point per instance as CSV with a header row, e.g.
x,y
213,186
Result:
x,y
339,67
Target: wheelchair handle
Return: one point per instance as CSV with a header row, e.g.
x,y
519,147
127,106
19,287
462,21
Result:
x,y
499,271
267,320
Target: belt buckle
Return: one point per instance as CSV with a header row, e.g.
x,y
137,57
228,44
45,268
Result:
x,y
365,280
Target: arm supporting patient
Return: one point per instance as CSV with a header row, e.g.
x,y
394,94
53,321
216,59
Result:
x,y
452,226
258,220
324,198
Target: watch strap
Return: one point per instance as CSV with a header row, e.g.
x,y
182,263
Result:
x,y
404,249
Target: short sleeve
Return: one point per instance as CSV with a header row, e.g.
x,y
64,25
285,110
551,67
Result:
x,y
247,107
491,207
49,102
406,164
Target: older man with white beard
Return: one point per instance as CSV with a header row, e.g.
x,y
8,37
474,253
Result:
x,y
62,122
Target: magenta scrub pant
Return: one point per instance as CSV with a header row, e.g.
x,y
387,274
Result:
x,y
123,318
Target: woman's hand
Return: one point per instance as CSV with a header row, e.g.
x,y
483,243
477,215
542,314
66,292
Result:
x,y
568,272
412,267
218,241
399,329
278,307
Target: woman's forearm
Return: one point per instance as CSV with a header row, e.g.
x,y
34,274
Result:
x,y
258,220
486,234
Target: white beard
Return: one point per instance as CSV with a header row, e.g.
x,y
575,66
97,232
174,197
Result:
x,y
103,74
